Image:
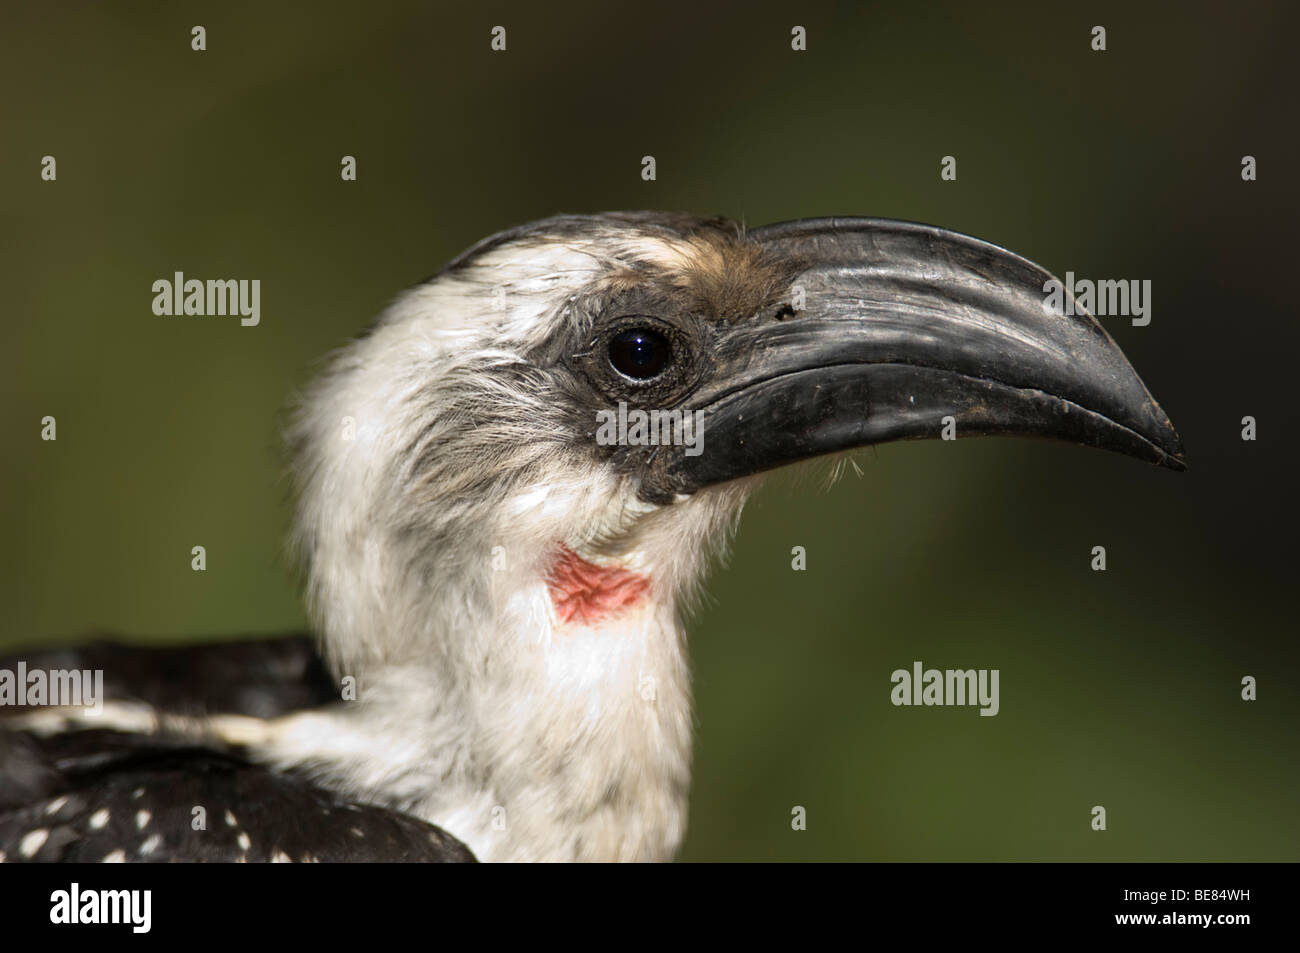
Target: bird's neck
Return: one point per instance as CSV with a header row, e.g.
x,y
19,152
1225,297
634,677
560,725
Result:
x,y
560,729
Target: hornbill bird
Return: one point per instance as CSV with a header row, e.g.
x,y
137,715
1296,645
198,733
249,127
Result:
x,y
497,589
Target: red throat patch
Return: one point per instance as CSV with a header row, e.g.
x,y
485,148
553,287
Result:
x,y
585,593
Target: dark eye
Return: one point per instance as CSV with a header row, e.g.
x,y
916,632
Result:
x,y
639,354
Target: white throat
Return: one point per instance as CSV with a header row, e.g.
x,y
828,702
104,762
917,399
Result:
x,y
564,740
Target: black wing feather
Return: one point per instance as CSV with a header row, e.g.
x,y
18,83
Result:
x,y
262,678
101,794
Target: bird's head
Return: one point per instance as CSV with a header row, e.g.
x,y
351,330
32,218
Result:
x,y
559,427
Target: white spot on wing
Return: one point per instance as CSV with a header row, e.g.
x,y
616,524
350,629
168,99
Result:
x,y
150,845
230,819
56,805
244,841
117,857
99,818
30,844
142,819
280,857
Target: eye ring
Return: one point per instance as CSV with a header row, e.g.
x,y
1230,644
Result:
x,y
640,353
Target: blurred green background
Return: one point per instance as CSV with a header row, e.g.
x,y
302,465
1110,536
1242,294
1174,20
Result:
x,y
1119,688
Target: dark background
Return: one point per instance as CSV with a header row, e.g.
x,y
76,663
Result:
x,y
1119,688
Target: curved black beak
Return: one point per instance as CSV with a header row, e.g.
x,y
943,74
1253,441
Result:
x,y
902,326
